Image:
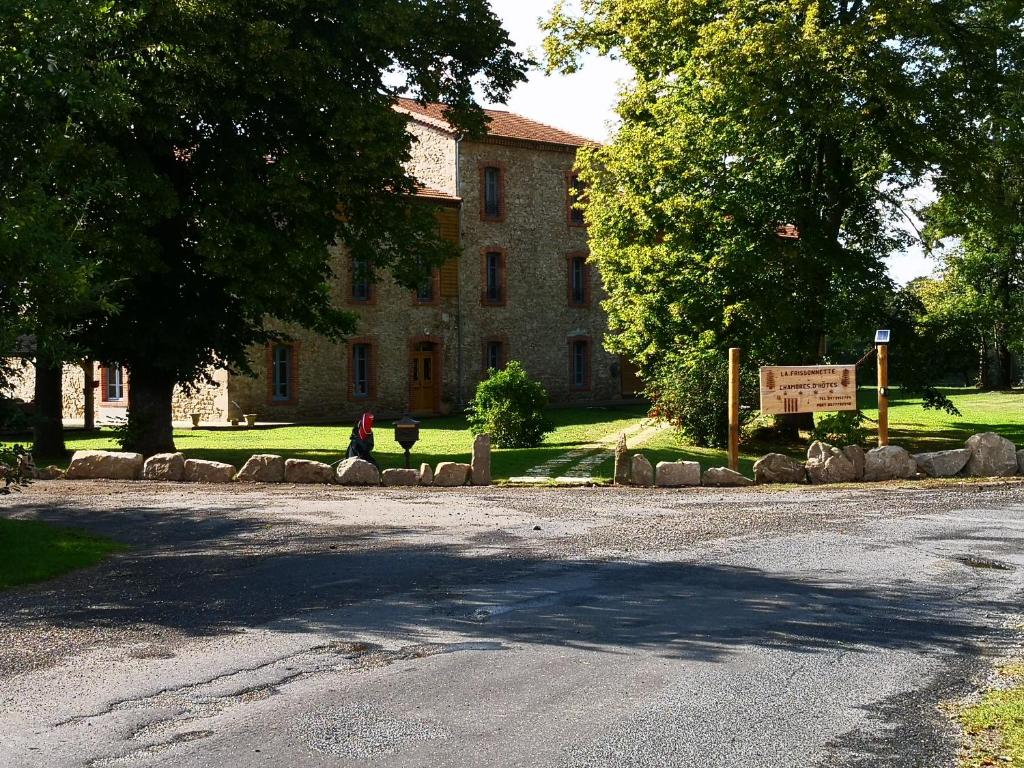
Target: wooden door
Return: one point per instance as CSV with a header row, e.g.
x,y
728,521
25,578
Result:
x,y
424,376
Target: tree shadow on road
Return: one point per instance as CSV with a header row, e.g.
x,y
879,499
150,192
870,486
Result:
x,y
200,572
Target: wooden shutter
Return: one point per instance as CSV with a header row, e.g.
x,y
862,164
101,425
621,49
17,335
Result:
x,y
448,226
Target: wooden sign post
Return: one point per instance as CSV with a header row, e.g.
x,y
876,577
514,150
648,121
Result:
x,y
734,408
883,395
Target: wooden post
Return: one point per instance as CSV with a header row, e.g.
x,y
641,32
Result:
x,y
734,408
883,394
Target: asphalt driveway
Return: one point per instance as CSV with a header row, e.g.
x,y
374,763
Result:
x,y
275,626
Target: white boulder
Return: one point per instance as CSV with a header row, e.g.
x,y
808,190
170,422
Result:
x,y
262,468
943,463
640,470
991,456
450,474
356,471
889,462
722,477
201,471
307,471
105,465
164,466
676,474
779,468
399,477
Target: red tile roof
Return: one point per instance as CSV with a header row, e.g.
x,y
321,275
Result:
x,y
423,192
500,124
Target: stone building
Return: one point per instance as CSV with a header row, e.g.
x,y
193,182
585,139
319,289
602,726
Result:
x,y
521,289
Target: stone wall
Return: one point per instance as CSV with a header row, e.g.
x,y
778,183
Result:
x,y
433,158
210,399
536,323
537,238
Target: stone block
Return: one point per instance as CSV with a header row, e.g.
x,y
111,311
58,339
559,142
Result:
x,y
991,456
481,462
307,471
105,465
856,456
200,471
828,464
723,477
943,463
890,462
357,471
640,470
778,468
262,468
164,466
48,473
400,477
621,472
450,474
676,474
425,475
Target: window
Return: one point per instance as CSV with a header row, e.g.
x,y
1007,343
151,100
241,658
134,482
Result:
x,y
361,370
579,280
577,191
113,383
362,284
493,278
494,354
282,373
492,192
425,293
579,363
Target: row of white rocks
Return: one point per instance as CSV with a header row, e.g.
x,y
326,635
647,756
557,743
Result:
x,y
984,455
270,468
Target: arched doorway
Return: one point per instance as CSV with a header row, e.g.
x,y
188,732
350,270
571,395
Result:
x,y
425,377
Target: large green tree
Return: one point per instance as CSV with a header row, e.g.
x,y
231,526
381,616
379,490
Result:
x,y
750,115
981,211
246,139
54,182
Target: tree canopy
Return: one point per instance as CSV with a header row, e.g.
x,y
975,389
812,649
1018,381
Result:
x,y
757,179
231,144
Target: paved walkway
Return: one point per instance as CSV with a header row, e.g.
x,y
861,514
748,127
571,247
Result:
x,y
577,465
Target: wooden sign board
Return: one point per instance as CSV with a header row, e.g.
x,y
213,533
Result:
x,y
808,388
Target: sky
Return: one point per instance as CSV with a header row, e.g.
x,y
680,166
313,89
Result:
x,y
584,103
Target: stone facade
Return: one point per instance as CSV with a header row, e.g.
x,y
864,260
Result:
x,y
537,321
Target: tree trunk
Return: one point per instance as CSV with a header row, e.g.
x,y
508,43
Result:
x,y
48,424
88,396
149,412
1004,357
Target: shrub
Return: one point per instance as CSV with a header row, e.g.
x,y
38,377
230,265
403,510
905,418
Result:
x,y
15,468
841,428
509,406
690,390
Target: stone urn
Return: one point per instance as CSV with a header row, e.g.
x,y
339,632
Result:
x,y
195,420
250,419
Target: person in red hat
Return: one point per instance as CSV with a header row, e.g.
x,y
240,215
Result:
x,y
360,443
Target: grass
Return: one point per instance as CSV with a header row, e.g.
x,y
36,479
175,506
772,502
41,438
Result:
x,y
994,727
441,439
910,426
444,439
33,551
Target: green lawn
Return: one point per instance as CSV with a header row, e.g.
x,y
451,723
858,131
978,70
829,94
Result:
x,y
34,551
910,426
441,439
